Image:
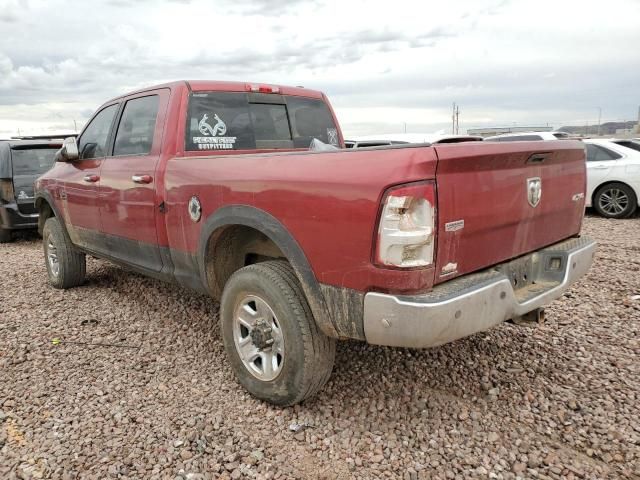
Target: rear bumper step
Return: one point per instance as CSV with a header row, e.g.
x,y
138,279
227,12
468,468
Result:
x,y
478,301
11,218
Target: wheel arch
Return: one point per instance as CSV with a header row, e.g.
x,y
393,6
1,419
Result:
x,y
46,209
610,181
244,216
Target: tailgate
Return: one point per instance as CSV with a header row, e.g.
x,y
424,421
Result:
x,y
489,210
29,161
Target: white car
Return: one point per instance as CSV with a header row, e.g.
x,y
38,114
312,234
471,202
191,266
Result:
x,y
404,138
613,178
528,136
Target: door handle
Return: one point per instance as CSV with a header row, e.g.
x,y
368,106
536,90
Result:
x,y
91,178
141,178
600,167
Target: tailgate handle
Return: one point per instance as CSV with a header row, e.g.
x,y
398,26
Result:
x,y
537,158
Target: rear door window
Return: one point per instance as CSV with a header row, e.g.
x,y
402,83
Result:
x,y
241,121
137,126
596,153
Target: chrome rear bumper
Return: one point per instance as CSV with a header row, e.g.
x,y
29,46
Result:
x,y
478,301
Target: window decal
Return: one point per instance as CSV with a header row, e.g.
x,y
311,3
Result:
x,y
332,135
211,140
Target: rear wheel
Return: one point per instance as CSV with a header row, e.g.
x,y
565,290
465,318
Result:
x,y
66,266
273,343
615,200
5,235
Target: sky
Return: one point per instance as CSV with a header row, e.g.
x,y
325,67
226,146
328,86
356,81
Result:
x,y
387,66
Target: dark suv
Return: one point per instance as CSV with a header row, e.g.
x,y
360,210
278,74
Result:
x,y
21,162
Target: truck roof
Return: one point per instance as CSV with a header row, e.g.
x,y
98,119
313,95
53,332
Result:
x,y
226,86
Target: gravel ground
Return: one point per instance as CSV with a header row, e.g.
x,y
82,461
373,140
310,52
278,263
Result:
x,y
157,398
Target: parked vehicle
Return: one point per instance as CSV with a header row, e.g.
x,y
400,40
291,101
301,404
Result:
x,y
405,138
613,178
211,185
370,143
21,162
632,144
528,136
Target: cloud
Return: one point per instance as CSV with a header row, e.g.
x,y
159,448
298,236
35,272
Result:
x,y
501,61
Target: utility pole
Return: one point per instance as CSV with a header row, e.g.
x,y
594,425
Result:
x,y
405,127
599,120
457,119
453,118
75,125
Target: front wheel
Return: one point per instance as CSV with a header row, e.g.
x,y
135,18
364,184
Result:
x,y
615,200
66,266
273,343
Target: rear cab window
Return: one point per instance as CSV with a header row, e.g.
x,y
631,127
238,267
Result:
x,y
256,121
33,161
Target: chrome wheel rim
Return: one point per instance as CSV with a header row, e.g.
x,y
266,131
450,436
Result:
x,y
258,338
52,258
613,201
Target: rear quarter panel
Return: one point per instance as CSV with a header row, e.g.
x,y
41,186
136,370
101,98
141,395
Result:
x,y
329,203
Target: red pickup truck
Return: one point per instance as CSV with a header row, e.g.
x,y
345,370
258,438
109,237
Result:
x,y
212,185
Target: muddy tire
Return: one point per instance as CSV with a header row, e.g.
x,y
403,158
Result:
x,y
5,235
272,341
66,266
615,200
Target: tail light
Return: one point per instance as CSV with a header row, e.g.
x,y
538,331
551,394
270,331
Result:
x,y
6,190
406,232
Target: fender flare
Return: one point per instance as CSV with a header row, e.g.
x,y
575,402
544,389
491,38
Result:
x,y
271,227
45,196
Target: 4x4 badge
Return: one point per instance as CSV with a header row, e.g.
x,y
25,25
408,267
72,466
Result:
x,y
534,191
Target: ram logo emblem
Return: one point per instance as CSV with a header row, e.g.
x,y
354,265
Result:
x,y
534,191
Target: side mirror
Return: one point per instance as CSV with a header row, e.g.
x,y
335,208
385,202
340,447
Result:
x,y
69,151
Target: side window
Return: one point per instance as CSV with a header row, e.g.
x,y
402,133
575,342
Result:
x,y
596,153
137,126
630,144
93,142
